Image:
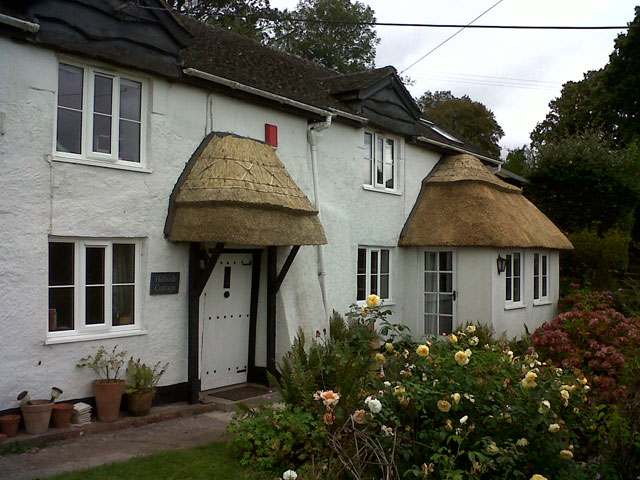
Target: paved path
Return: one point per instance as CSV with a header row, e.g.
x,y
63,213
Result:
x,y
98,449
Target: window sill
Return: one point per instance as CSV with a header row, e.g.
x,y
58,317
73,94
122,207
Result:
x,y
517,306
76,337
380,190
384,304
101,163
542,303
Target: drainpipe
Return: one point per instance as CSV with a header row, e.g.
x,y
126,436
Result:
x,y
18,23
313,136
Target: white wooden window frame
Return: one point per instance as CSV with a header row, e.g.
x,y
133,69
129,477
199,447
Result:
x,y
372,183
387,300
540,279
510,303
454,288
82,331
87,155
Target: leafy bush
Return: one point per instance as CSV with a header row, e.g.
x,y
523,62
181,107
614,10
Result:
x,y
143,378
273,439
106,365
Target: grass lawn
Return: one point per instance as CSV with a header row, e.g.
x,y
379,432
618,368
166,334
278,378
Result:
x,y
211,462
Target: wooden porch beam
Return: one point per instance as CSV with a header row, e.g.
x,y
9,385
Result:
x,y
286,266
272,276
208,268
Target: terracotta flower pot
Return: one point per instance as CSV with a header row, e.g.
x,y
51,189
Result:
x,y
9,424
61,415
139,403
108,396
37,416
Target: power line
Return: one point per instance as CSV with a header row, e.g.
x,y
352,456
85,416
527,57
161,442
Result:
x,y
451,36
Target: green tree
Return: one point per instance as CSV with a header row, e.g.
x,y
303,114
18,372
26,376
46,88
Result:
x,y
255,19
579,182
519,161
471,119
605,102
333,34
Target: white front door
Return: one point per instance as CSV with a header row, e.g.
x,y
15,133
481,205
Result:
x,y
439,292
224,317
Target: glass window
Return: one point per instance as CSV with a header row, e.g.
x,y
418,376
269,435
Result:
x,y
439,294
540,276
513,278
103,120
373,273
92,285
380,161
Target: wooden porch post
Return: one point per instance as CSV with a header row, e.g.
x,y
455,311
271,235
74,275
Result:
x,y
272,276
194,323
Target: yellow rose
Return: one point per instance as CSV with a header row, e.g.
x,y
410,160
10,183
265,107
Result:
x,y
529,380
538,477
473,341
566,454
364,311
462,358
379,358
545,406
453,338
398,390
444,406
471,329
564,394
388,347
522,442
422,351
493,449
468,352
554,427
373,301
456,397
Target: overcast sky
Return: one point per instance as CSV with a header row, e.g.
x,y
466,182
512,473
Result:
x,y
515,73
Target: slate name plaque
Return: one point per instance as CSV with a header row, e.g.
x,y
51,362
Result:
x,y
164,283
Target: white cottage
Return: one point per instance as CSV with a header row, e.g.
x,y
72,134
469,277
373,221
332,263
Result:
x,y
194,197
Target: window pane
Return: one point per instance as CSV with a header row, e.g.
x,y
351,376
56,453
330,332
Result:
x,y
374,262
446,304
60,263
123,263
389,156
362,261
446,282
102,94
431,325
384,261
60,309
69,133
123,303
544,285
509,265
431,303
101,133
129,145
368,154
130,99
508,288
70,86
446,261
544,264
384,286
379,161
430,282
362,287
446,325
94,305
430,261
536,288
536,264
95,265
373,289
516,264
516,289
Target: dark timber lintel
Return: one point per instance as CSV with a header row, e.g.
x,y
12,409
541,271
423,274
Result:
x,y
286,266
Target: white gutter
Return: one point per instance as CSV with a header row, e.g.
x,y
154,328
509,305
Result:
x,y
313,136
192,72
21,24
458,149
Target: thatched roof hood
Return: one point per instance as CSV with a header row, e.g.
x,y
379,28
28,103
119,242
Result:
x,y
462,203
236,190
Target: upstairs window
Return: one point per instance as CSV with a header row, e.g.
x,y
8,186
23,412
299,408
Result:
x,y
540,277
380,162
374,273
99,116
513,279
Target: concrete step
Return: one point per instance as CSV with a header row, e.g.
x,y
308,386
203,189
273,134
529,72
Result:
x,y
226,398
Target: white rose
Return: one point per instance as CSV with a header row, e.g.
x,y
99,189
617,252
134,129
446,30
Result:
x,y
289,475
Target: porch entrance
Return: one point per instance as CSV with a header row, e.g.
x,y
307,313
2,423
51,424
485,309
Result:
x,y
225,305
439,292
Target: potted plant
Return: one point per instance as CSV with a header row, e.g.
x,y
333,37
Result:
x,y
108,388
141,385
36,413
61,412
9,424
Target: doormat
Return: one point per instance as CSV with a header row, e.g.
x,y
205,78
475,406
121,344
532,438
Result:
x,y
242,393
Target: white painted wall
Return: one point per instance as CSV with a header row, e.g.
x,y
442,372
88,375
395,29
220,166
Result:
x,y
41,198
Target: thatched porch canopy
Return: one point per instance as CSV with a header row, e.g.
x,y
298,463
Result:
x,y
462,204
236,190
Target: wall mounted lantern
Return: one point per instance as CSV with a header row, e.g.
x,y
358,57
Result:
x,y
501,264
